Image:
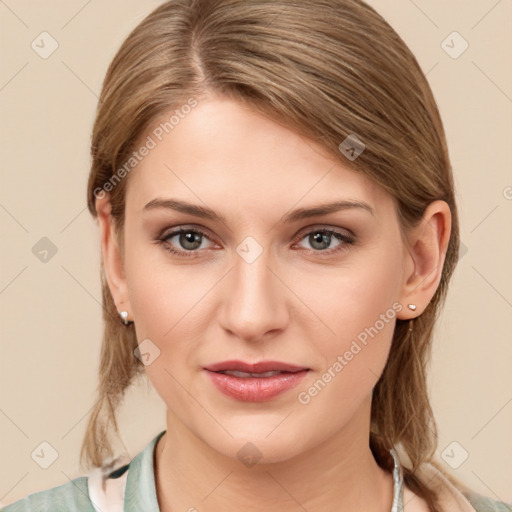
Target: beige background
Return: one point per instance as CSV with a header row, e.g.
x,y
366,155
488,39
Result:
x,y
50,311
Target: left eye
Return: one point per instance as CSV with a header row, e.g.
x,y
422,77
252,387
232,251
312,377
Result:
x,y
320,239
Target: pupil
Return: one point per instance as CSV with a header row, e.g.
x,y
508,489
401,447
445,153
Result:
x,y
190,238
321,237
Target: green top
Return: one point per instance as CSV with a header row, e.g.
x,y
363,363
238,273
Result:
x,y
140,492
73,496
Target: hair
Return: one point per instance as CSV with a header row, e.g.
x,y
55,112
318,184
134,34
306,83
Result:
x,y
327,69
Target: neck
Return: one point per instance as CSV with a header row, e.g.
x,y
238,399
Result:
x,y
339,474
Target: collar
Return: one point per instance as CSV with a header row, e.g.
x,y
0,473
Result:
x,y
130,488
398,479
140,486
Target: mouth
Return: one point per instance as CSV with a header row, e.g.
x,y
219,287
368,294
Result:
x,y
255,382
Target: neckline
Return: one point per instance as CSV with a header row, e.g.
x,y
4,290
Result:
x,y
140,493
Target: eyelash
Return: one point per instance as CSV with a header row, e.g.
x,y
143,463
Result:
x,y
164,237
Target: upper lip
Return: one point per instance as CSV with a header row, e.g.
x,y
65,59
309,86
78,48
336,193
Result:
x,y
260,367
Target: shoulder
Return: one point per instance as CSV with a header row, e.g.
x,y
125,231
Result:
x,y
103,489
69,497
485,504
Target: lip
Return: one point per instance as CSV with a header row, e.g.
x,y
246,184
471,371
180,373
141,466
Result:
x,y
255,389
260,367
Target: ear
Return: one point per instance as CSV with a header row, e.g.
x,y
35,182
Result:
x,y
112,255
424,255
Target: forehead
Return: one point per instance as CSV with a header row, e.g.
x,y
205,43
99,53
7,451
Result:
x,y
229,157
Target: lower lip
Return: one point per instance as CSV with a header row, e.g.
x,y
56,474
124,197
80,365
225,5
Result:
x,y
256,389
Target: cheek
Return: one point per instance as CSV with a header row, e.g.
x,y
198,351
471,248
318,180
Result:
x,y
163,295
358,306
172,307
166,303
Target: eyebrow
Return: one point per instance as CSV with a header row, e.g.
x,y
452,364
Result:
x,y
295,215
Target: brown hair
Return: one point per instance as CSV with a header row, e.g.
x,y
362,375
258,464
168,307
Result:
x,y
328,69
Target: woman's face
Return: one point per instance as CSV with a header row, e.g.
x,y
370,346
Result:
x,y
265,284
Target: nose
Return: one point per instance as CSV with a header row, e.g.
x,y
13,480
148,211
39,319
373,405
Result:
x,y
254,305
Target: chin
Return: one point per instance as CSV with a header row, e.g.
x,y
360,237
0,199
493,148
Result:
x,y
254,446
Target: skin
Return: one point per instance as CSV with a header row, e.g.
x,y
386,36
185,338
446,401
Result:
x,y
291,304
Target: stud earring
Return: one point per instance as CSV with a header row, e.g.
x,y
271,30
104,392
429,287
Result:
x,y
124,317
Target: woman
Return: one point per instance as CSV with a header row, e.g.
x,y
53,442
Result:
x,y
278,228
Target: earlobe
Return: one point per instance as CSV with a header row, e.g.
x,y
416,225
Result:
x,y
425,255
112,257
